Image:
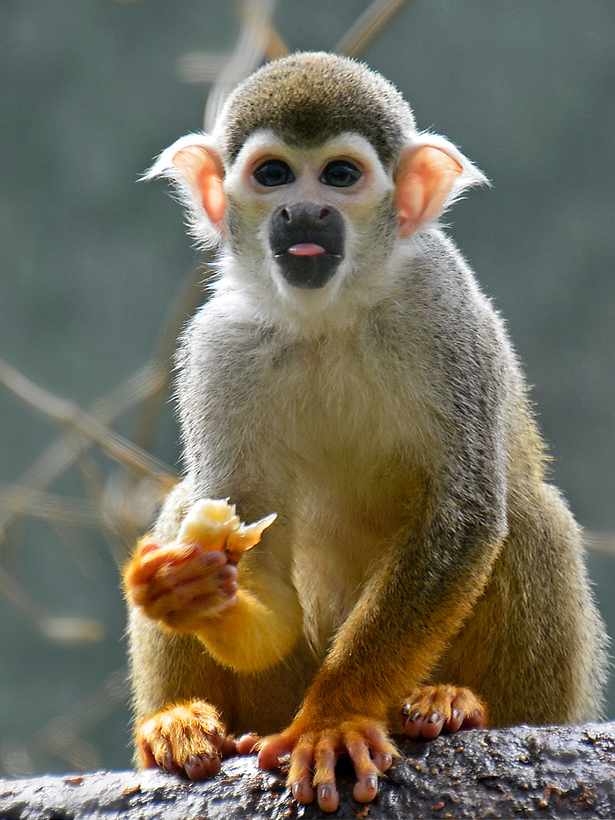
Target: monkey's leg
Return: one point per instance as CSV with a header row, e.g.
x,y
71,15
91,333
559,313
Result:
x,y
429,710
188,738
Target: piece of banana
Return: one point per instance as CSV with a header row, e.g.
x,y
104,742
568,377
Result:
x,y
214,524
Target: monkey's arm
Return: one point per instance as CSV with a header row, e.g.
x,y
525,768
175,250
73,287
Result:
x,y
247,619
413,604
260,629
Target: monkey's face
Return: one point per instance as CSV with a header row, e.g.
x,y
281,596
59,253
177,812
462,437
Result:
x,y
309,217
312,231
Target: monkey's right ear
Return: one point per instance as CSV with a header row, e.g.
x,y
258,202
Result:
x,y
195,167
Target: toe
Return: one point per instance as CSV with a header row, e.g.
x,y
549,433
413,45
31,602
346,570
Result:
x,y
433,725
201,767
328,797
366,787
413,723
455,722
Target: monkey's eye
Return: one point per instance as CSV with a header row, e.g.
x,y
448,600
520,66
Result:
x,y
340,174
273,172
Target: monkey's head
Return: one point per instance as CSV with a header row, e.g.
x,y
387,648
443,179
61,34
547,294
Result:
x,y
312,175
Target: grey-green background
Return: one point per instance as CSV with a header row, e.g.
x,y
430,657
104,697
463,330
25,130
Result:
x,y
89,260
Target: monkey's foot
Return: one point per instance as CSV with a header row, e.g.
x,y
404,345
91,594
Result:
x,y
188,739
430,710
315,753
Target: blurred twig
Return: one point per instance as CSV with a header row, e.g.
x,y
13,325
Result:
x,y
63,452
215,67
68,413
365,29
258,15
62,737
248,53
603,542
63,629
56,509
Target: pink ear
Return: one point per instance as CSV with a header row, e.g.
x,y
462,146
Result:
x,y
426,175
202,169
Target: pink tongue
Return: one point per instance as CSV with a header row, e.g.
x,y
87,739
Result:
x,y
306,249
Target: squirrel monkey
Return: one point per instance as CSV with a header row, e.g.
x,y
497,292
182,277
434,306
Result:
x,y
347,374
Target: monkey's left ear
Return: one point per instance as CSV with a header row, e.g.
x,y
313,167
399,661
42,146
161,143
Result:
x,y
431,174
195,166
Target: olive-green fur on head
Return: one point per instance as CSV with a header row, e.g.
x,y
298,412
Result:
x,y
307,98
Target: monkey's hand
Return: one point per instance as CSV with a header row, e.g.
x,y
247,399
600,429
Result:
x,y
246,619
195,577
182,584
429,710
188,739
315,748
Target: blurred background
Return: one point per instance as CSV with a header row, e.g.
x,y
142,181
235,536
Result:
x,y
97,275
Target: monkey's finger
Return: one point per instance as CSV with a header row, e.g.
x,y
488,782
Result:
x,y
191,585
426,726
159,577
246,744
272,748
328,796
191,616
366,787
193,600
148,562
382,750
148,546
460,720
325,758
300,774
199,565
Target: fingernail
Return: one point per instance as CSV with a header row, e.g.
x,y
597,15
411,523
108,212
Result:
x,y
434,717
415,716
325,791
456,714
371,782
